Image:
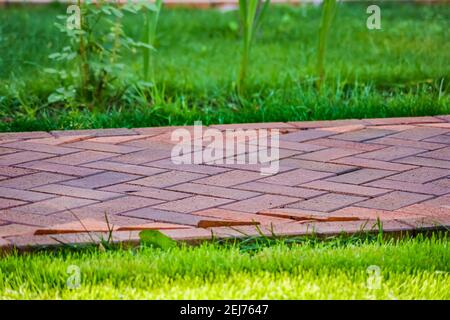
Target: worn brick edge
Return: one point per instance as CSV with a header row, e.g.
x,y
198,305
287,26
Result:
x,y
110,132
127,239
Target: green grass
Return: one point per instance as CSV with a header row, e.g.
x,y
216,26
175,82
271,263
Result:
x,y
412,268
401,70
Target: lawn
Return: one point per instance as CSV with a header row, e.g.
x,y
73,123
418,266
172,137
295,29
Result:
x,y
401,70
339,268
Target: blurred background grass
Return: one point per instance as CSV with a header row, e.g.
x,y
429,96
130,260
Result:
x,y
401,70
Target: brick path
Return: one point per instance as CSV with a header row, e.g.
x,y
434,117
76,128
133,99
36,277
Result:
x,y
335,176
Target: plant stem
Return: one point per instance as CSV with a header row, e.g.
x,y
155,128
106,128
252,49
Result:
x,y
243,69
328,12
146,39
251,12
84,66
149,38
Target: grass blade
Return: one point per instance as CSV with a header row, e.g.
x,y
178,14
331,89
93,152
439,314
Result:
x,y
328,13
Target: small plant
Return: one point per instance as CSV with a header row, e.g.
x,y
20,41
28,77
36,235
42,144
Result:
x,y
251,13
328,13
96,48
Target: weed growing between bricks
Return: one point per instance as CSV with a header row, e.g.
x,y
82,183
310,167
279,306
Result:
x,y
244,243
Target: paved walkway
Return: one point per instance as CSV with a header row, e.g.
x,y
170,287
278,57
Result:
x,y
335,176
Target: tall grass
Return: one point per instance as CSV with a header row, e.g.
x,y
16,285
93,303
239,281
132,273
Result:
x,y
251,13
151,17
328,13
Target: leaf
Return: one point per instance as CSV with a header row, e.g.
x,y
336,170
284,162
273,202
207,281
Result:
x,y
143,45
50,70
129,8
71,56
156,239
145,84
262,9
101,247
55,97
233,26
328,13
106,10
55,55
116,12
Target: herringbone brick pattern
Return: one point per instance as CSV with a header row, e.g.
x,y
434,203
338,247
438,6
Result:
x,y
335,176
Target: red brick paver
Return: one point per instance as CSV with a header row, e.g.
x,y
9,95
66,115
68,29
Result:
x,y
335,176
394,200
259,203
420,175
161,194
363,135
426,162
374,164
345,188
214,191
109,207
71,170
420,133
62,190
20,157
167,179
328,154
33,180
427,188
328,202
238,215
408,143
123,167
295,192
442,154
30,146
9,203
296,177
24,195
317,166
81,157
101,180
54,205
361,176
391,153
